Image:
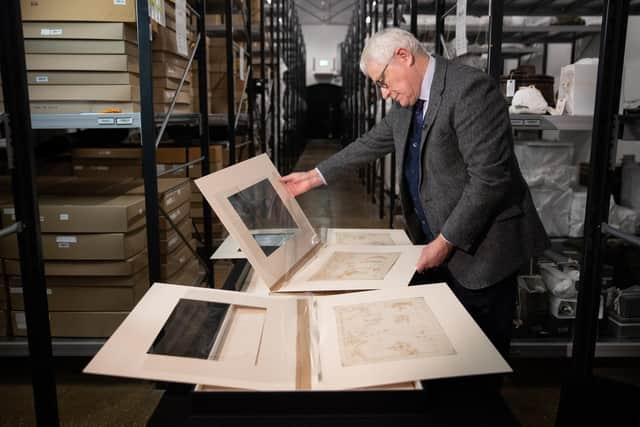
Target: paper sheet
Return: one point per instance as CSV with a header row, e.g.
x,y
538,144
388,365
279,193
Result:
x,y
387,331
345,238
356,266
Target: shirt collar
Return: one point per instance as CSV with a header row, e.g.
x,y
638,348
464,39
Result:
x,y
427,81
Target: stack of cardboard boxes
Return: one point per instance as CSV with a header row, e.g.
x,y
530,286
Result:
x,y
94,247
217,75
85,59
81,59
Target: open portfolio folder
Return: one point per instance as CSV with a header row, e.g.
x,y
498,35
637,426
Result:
x,y
390,334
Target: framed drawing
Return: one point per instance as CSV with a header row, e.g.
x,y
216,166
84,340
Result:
x,y
354,268
249,198
349,341
366,236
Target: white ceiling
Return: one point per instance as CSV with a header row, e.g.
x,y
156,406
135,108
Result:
x,y
325,12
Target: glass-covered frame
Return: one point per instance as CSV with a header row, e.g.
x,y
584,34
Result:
x,y
222,187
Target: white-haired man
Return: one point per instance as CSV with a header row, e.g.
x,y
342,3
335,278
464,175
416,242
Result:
x,y
461,189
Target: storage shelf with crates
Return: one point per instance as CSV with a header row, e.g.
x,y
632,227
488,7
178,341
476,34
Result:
x,y
548,122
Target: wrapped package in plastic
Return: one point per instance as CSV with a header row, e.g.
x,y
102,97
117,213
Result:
x,y
558,282
553,206
547,155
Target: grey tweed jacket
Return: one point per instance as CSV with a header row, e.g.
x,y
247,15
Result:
x,y
471,186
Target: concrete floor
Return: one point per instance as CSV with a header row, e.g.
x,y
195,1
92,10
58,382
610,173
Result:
x,y
532,391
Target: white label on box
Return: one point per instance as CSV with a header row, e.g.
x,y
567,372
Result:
x,y
242,76
66,241
120,2
181,27
172,241
511,88
42,79
106,121
15,290
64,217
174,215
170,200
9,211
21,321
50,31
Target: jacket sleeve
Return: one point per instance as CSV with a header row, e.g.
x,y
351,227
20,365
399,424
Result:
x,y
370,146
483,132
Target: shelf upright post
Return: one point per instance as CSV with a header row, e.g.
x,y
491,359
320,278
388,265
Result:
x,y
278,88
383,112
366,8
272,93
392,172
25,194
373,104
263,80
204,133
494,64
231,108
148,138
440,5
604,135
414,17
251,102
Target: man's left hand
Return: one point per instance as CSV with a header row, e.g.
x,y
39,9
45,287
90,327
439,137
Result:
x,y
434,254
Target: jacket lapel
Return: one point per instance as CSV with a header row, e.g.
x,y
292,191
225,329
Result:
x,y
437,87
403,124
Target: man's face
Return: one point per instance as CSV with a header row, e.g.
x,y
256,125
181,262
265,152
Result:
x,y
397,79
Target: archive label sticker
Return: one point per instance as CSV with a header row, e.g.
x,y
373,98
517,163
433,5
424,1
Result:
x,y
120,2
50,31
64,217
511,87
42,79
66,241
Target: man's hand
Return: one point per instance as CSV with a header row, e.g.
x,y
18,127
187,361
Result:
x,y
434,254
301,182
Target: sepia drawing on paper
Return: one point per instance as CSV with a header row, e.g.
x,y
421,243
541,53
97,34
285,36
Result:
x,y
351,238
388,331
356,266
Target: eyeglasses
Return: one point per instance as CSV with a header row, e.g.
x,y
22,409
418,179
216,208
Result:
x,y
380,82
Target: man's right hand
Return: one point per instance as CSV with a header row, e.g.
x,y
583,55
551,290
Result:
x,y
301,182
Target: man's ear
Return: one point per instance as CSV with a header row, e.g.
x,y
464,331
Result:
x,y
404,54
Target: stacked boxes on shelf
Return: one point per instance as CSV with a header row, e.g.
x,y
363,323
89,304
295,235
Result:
x,y
81,59
172,45
218,156
85,59
94,249
217,75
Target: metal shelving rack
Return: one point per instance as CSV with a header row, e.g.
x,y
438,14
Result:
x,y
287,106
357,112
147,122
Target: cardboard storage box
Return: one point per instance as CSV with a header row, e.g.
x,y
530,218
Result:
x,y
169,71
176,216
170,239
102,47
83,93
191,275
82,269
103,246
86,214
64,62
176,261
80,31
87,78
73,107
79,10
107,168
73,324
86,298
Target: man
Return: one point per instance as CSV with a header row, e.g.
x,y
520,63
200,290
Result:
x,y
461,189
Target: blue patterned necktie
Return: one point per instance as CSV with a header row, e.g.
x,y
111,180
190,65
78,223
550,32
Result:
x,y
412,165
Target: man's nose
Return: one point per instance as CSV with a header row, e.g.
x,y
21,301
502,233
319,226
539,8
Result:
x,y
384,92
